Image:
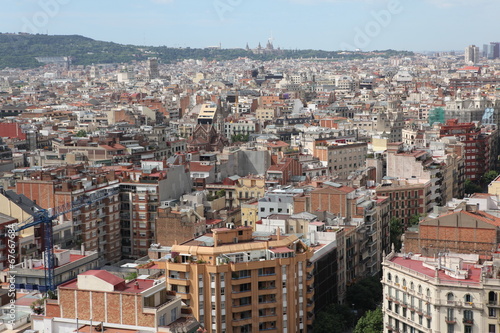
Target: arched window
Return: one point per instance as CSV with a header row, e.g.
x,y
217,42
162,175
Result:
x,y
492,298
389,277
412,287
404,282
428,292
468,298
450,297
419,289
397,279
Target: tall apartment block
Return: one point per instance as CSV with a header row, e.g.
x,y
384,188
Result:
x,y
96,226
233,282
142,190
472,54
153,71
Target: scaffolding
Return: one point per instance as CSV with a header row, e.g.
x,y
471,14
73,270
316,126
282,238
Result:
x,y
436,115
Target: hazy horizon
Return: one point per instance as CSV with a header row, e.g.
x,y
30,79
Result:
x,y
331,25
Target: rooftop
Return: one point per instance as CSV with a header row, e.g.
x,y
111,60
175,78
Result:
x,y
426,267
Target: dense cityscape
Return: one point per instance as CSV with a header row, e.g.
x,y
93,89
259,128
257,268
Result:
x,y
257,191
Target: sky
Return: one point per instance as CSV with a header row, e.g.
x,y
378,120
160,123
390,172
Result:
x,y
414,25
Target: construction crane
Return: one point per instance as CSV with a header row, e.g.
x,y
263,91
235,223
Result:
x,y
46,216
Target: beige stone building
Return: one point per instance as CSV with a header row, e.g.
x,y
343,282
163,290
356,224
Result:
x,y
233,282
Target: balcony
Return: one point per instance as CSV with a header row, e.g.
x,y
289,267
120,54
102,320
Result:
x,y
468,321
450,320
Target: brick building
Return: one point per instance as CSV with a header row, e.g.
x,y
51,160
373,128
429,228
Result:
x,y
463,230
96,226
101,298
407,197
478,160
176,226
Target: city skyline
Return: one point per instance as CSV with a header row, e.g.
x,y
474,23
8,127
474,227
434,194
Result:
x,y
429,25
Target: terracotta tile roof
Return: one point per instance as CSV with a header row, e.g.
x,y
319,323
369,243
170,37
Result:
x,y
105,276
198,167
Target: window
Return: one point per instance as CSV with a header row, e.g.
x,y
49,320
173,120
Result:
x,y
468,298
492,312
450,297
173,315
491,328
450,328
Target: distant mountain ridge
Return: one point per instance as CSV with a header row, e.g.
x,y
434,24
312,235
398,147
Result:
x,y
20,50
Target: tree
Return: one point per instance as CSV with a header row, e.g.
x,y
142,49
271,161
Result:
x,y
489,176
414,220
396,230
81,133
365,295
471,187
371,322
336,319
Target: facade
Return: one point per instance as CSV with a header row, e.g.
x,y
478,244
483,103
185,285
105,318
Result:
x,y
477,147
278,201
111,303
235,283
341,158
472,54
407,197
142,191
450,293
96,226
461,230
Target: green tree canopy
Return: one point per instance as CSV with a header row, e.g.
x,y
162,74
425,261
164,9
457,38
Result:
x,y
365,295
371,322
396,230
489,176
336,319
471,187
81,133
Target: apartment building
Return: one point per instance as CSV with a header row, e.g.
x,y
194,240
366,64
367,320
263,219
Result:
x,y
97,225
420,164
341,158
448,293
409,197
142,191
234,282
98,301
477,146
278,201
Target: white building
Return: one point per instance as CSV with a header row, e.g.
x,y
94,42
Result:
x,y
451,293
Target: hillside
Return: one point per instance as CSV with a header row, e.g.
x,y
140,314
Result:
x,y
20,50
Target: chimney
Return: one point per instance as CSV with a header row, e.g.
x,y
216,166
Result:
x,y
82,249
136,285
278,233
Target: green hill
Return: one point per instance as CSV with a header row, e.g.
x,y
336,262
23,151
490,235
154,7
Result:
x,y
20,50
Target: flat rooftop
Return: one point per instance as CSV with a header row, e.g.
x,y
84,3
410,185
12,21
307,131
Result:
x,y
418,266
130,288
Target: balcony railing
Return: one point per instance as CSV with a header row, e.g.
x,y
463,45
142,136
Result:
x,y
468,321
